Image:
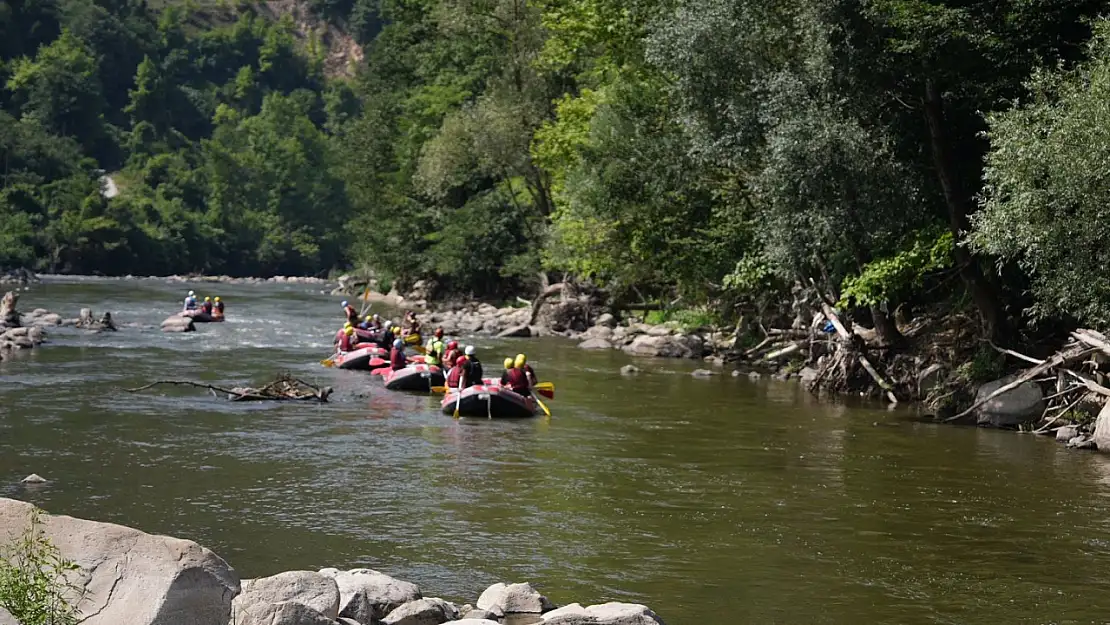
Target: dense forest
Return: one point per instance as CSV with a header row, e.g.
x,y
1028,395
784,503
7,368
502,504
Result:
x,y
887,154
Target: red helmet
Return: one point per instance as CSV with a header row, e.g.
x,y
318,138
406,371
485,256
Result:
x,y
439,333
453,345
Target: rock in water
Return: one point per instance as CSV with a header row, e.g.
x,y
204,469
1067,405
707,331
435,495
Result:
x,y
366,595
432,611
132,577
308,588
1020,405
703,373
177,323
514,598
595,344
629,370
604,614
9,316
520,332
1067,433
34,478
474,621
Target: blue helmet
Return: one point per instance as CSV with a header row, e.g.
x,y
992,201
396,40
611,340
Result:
x,y
398,343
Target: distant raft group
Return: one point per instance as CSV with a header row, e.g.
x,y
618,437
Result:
x,y
379,347
208,310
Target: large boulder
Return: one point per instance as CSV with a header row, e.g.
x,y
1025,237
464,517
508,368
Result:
x,y
605,320
1101,435
366,594
473,621
132,577
598,332
1012,408
308,588
433,611
595,344
6,618
177,323
516,332
662,346
514,599
604,614
9,316
284,613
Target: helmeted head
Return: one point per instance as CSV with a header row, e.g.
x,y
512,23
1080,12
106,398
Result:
x,y
344,304
508,363
347,326
192,293
367,318
452,344
349,330
398,343
376,317
439,333
469,351
460,361
520,361
208,299
396,329
217,298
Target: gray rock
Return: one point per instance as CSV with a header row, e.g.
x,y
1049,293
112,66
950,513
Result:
x,y
493,614
598,332
1101,435
1020,405
132,577
659,331
15,333
50,319
513,599
521,331
308,588
660,346
177,323
605,614
33,478
703,373
36,334
1082,442
491,326
433,611
366,594
629,370
605,320
807,375
1067,433
595,344
6,618
474,621
285,613
754,375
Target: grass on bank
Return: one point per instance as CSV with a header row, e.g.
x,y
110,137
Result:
x,y
33,584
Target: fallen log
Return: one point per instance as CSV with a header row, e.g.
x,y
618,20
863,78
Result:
x,y
785,351
862,357
284,388
1070,354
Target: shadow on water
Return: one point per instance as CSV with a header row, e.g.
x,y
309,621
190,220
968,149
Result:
x,y
716,501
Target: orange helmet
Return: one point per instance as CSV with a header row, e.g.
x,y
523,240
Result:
x,y
439,333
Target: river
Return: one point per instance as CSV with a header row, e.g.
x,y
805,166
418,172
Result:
x,y
718,501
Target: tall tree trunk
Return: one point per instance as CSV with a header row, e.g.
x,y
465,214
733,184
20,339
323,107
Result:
x,y
886,329
984,292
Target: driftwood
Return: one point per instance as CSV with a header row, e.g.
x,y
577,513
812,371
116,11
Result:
x,y
861,356
537,304
284,388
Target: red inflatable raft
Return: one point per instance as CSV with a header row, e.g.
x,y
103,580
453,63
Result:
x,y
199,316
359,358
493,401
417,377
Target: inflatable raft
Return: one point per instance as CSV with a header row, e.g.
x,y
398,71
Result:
x,y
199,316
493,401
415,377
359,358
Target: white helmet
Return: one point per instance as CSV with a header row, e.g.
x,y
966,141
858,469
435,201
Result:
x,y
344,304
469,350
191,293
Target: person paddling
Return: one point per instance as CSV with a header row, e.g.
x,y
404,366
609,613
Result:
x,y
505,373
397,355
456,378
521,377
473,366
350,312
206,307
435,348
219,306
346,340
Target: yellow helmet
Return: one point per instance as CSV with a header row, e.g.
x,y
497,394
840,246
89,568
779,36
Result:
x,y
368,318
508,363
396,329
520,360
347,326
217,298
349,330
208,299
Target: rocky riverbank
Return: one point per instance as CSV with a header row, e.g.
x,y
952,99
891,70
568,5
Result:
x,y
125,576
28,330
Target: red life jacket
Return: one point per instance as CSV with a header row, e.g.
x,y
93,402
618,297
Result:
x,y
451,357
517,379
397,359
206,307
456,374
345,343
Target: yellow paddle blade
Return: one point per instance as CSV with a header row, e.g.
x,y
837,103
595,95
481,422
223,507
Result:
x,y
419,349
412,339
545,386
540,402
439,389
328,363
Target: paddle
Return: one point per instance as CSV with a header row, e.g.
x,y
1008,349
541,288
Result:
x,y
545,410
328,363
458,400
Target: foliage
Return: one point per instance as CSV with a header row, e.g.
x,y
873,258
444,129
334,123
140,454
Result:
x,y
33,584
896,277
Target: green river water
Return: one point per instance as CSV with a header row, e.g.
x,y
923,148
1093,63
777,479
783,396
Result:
x,y
718,501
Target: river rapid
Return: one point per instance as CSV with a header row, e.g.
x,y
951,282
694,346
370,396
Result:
x,y
717,501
